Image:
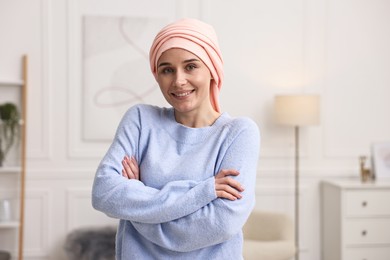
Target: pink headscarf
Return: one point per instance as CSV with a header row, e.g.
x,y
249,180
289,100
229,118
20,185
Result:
x,y
198,38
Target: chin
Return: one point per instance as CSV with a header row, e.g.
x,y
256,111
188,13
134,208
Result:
x,y
183,109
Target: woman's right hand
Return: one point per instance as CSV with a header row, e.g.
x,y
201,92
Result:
x,y
130,168
227,187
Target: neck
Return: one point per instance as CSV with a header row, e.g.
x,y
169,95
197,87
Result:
x,y
196,120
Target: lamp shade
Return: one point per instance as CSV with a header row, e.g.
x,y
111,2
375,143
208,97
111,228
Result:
x,y
297,110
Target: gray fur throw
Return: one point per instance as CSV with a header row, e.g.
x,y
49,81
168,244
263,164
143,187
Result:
x,y
4,255
91,244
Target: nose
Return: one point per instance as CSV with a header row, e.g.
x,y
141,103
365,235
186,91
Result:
x,y
180,78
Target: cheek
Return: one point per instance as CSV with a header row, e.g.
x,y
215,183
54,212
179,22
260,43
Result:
x,y
163,83
164,89
204,77
203,82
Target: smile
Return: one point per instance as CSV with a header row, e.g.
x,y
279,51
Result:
x,y
183,94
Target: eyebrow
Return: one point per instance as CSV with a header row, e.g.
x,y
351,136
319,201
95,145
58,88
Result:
x,y
185,61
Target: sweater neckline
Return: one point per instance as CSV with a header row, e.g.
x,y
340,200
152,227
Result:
x,y
185,134
172,117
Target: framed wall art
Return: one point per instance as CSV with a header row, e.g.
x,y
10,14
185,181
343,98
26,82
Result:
x,y
381,160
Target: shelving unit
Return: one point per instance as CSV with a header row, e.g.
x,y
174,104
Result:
x,y
10,224
13,169
20,169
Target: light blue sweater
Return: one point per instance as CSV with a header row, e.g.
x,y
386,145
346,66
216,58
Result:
x,y
173,212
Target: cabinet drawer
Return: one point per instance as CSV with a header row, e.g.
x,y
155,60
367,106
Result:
x,y
367,231
369,202
369,253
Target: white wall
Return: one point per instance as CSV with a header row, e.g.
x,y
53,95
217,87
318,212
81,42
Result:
x,y
336,48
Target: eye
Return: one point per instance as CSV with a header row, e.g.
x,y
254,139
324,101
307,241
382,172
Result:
x,y
191,66
166,70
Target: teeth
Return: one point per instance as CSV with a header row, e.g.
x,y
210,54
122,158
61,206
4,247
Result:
x,y
183,94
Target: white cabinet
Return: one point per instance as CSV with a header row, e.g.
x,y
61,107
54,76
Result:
x,y
12,177
355,221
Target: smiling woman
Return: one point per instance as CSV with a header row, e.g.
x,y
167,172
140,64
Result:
x,y
185,82
175,177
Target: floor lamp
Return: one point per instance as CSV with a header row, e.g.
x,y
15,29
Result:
x,y
297,111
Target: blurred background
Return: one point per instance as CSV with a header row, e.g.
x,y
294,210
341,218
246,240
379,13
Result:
x,y
88,64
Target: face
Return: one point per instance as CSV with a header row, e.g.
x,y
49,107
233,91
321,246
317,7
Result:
x,y
184,81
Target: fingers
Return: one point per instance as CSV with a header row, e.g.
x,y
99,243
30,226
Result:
x,y
228,181
133,166
227,192
130,168
124,174
226,195
226,186
227,172
126,171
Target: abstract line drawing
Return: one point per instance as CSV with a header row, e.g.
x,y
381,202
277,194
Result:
x,y
116,71
132,96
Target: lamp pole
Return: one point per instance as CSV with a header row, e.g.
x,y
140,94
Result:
x,y
296,131
297,111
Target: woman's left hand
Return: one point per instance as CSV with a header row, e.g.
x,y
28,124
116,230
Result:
x,y
130,168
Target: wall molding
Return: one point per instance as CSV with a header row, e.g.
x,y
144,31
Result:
x,y
352,122
74,220
44,151
44,221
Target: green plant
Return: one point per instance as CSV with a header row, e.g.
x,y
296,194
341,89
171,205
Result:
x,y
9,128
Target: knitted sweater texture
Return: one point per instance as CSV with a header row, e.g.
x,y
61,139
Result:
x,y
173,212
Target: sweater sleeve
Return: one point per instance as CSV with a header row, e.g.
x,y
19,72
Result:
x,y
221,219
121,198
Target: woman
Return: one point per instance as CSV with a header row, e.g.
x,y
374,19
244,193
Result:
x,y
181,179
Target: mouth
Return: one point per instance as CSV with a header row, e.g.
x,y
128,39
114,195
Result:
x,y
182,94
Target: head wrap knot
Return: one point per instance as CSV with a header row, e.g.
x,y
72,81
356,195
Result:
x,y
198,38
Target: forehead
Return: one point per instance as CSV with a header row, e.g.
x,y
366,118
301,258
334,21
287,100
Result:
x,y
176,54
